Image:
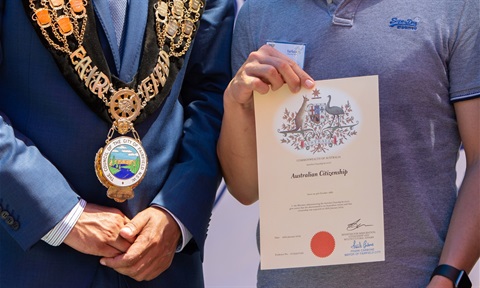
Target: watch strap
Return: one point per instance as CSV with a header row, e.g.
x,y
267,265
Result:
x,y
458,277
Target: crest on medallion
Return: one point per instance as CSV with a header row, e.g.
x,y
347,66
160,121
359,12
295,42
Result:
x,y
120,166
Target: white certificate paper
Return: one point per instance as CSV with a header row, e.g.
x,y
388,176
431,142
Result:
x,y
320,181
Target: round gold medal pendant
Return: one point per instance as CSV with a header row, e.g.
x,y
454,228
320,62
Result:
x,y
121,166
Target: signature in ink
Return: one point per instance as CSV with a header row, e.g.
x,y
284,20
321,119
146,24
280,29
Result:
x,y
356,225
359,245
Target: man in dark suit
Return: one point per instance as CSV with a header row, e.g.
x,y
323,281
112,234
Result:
x,y
71,83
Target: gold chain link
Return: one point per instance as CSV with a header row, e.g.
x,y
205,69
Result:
x,y
177,28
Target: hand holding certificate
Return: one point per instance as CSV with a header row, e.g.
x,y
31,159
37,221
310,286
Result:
x,y
319,173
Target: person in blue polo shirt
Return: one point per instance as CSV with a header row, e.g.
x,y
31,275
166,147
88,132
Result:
x,y
427,56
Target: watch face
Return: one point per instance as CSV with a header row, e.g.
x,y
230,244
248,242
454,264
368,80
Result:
x,y
458,277
463,281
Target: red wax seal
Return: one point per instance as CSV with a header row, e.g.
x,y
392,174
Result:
x,y
322,244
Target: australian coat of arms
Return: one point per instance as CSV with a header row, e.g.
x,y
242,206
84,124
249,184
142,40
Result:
x,y
321,123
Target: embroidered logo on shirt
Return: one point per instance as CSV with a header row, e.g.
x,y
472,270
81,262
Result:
x,y
408,24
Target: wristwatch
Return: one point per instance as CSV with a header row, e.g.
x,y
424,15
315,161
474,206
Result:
x,y
459,277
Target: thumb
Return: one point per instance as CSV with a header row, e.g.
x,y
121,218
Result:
x,y
129,231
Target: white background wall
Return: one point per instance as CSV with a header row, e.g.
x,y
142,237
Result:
x,y
231,255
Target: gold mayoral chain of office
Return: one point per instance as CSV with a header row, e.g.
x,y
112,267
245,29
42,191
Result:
x,y
63,24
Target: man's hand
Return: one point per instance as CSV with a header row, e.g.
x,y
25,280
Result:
x,y
155,235
266,69
97,232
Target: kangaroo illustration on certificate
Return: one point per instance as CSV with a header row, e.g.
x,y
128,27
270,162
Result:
x,y
320,176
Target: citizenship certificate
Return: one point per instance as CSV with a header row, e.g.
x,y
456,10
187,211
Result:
x,y
319,169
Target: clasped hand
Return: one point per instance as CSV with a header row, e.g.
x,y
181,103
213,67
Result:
x,y
141,248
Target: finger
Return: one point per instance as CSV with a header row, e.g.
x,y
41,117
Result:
x,y
129,263
134,227
139,265
257,79
273,70
305,79
152,252
294,76
267,73
261,78
308,83
127,259
121,244
289,71
130,231
106,251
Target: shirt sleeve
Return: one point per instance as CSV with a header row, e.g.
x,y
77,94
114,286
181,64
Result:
x,y
186,235
464,62
57,235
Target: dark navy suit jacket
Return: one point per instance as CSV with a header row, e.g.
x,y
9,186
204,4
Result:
x,y
48,141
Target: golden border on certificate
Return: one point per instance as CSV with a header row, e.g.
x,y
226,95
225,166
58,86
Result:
x,y
320,181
